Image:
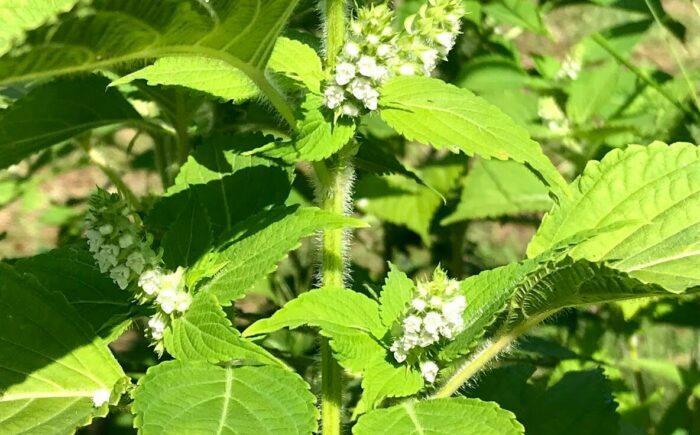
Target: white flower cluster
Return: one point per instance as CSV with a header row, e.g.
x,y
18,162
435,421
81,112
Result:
x,y
363,64
572,64
374,52
435,313
122,249
431,34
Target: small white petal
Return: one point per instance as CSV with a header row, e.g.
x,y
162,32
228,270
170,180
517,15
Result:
x,y
100,397
106,229
412,324
126,240
429,370
344,73
351,49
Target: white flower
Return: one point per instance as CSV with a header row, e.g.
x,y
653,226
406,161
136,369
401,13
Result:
x,y
436,301
100,397
452,287
372,100
136,262
412,324
407,69
172,281
422,290
149,281
349,109
167,299
121,275
429,370
429,58
106,229
384,50
399,354
334,96
182,301
157,327
107,257
426,338
366,66
372,39
361,88
126,240
344,72
351,49
95,240
418,304
454,308
432,322
445,39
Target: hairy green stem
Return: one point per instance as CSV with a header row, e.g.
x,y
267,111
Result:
x,y
334,184
333,190
182,120
482,357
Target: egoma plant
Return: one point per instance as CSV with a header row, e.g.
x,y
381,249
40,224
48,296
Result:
x,y
390,360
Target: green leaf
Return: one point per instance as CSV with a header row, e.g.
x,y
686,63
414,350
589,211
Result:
x,y
220,79
204,333
520,13
384,379
259,243
591,91
51,362
196,397
230,187
190,235
494,188
106,33
433,112
317,137
215,77
593,411
298,62
396,294
72,272
18,17
440,416
330,309
389,197
57,111
658,187
355,350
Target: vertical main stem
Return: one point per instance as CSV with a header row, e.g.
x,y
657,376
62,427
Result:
x,y
334,189
334,186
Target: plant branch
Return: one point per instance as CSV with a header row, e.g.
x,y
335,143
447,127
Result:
x,y
483,357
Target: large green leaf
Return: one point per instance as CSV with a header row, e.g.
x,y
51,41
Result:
x,y
216,77
440,416
240,33
72,272
433,112
331,309
204,333
494,188
196,397
55,373
397,292
20,16
258,244
655,190
57,111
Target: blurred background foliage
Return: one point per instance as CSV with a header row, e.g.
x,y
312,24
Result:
x,y
583,77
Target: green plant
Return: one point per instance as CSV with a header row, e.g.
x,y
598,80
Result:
x,y
262,137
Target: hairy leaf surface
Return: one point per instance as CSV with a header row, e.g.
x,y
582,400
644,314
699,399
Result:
x,y
204,333
258,244
433,112
52,363
440,416
656,190
196,397
72,272
57,111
